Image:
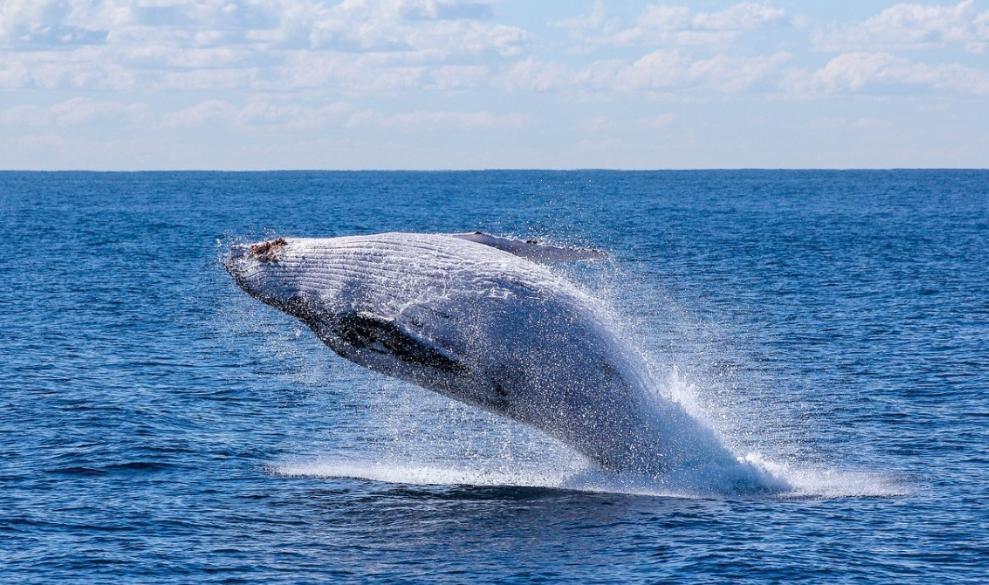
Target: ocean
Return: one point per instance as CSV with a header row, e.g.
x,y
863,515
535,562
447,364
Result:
x,y
159,426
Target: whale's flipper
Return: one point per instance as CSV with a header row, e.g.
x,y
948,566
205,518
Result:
x,y
368,332
532,249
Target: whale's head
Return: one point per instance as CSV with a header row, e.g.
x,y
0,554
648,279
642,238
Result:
x,y
338,287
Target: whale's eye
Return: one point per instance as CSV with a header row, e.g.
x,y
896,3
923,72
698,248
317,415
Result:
x,y
265,251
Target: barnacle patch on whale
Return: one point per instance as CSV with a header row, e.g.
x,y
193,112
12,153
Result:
x,y
266,251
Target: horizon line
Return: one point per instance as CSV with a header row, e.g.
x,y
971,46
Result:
x,y
488,169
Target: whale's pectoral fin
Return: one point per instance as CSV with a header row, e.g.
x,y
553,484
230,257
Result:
x,y
532,249
365,332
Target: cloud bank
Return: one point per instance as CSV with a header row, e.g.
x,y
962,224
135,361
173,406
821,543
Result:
x,y
366,72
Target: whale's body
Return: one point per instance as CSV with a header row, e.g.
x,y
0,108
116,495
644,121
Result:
x,y
483,326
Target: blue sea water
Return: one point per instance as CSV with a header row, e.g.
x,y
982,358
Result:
x,y
157,425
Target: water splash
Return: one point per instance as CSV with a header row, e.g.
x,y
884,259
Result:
x,y
463,446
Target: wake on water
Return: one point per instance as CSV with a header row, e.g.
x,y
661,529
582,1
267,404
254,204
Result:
x,y
416,458
809,482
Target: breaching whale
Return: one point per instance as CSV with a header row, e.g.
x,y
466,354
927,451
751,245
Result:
x,y
482,320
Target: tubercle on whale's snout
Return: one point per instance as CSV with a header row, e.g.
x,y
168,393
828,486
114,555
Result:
x,y
267,251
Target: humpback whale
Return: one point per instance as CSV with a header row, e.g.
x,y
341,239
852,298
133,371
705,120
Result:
x,y
483,320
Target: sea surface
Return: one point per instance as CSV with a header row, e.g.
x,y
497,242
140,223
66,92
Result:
x,y
159,426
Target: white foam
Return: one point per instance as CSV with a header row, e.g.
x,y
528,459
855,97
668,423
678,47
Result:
x,y
397,473
824,482
586,480
805,482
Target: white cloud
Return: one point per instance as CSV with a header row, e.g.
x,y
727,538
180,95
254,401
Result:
x,y
278,115
597,19
83,110
440,120
672,24
202,114
359,73
355,24
535,75
859,72
77,112
83,67
455,77
913,26
744,16
670,69
275,115
660,70
392,25
443,10
48,23
847,123
187,44
609,125
659,121
261,113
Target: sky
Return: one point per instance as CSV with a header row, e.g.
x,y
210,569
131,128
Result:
x,y
478,84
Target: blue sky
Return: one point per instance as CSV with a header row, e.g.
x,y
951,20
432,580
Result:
x,y
452,84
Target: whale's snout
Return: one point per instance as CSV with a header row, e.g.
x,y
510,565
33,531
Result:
x,y
236,260
263,270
